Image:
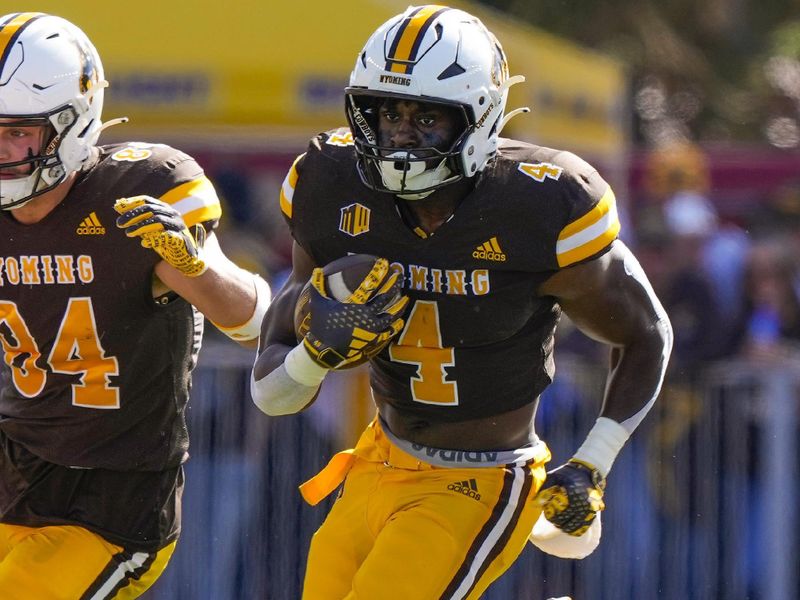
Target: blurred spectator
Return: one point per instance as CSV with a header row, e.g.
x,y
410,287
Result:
x,y
676,167
690,215
672,258
723,259
768,328
718,250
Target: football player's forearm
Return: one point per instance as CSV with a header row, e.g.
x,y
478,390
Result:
x,y
224,293
285,380
634,382
635,377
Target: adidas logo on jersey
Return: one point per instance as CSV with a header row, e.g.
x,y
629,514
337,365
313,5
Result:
x,y
91,226
489,251
466,487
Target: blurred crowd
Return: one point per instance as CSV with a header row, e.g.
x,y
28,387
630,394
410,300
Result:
x,y
729,280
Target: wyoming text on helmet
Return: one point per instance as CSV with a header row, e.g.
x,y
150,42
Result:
x,y
50,75
430,54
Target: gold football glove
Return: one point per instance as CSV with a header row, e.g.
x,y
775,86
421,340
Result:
x,y
345,334
571,496
162,229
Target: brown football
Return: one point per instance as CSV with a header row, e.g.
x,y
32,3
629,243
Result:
x,y
342,278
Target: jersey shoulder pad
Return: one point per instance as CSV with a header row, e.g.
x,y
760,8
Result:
x,y
593,222
166,173
338,138
289,185
580,208
329,155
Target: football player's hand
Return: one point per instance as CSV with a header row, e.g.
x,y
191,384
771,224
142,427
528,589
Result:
x,y
162,229
571,496
343,334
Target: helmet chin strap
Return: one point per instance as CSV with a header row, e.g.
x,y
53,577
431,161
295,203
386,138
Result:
x,y
413,176
508,116
112,122
503,88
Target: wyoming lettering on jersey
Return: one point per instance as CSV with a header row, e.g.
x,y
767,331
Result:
x,y
456,282
48,269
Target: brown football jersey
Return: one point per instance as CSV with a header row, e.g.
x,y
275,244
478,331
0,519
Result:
x,y
478,339
96,372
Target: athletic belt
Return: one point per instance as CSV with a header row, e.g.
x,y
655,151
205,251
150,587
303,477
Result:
x,y
469,459
378,444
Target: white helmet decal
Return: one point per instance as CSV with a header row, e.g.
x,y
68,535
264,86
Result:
x,y
50,75
430,54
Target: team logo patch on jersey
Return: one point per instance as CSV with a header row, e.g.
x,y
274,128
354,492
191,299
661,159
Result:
x,y
340,139
541,171
91,226
468,487
354,219
489,250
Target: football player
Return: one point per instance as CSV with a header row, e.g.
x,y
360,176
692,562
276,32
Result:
x,y
494,238
104,250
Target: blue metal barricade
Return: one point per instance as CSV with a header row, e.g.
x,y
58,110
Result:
x,y
701,503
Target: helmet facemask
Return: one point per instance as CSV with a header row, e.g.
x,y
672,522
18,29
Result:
x,y
46,170
410,173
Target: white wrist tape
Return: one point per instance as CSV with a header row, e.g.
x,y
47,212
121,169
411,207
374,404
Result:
x,y
302,368
251,329
278,394
602,445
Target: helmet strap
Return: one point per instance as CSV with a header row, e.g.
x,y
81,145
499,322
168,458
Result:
x,y
508,116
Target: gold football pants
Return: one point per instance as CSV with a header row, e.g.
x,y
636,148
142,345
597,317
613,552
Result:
x,y
71,563
402,528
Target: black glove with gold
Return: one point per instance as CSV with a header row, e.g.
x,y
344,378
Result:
x,y
572,495
344,333
162,229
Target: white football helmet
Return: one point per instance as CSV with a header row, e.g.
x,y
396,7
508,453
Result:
x,y
51,75
430,54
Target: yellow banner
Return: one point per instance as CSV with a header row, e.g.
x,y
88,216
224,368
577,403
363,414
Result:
x,y
282,66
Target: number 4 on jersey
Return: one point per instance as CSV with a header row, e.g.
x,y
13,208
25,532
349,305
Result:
x,y
420,344
540,171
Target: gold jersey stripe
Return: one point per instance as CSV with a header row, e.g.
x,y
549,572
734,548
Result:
x,y
607,203
589,234
589,248
195,200
11,30
287,188
409,32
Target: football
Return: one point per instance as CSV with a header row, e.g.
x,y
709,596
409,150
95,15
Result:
x,y
342,278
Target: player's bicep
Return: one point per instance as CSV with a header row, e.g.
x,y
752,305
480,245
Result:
x,y
608,298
